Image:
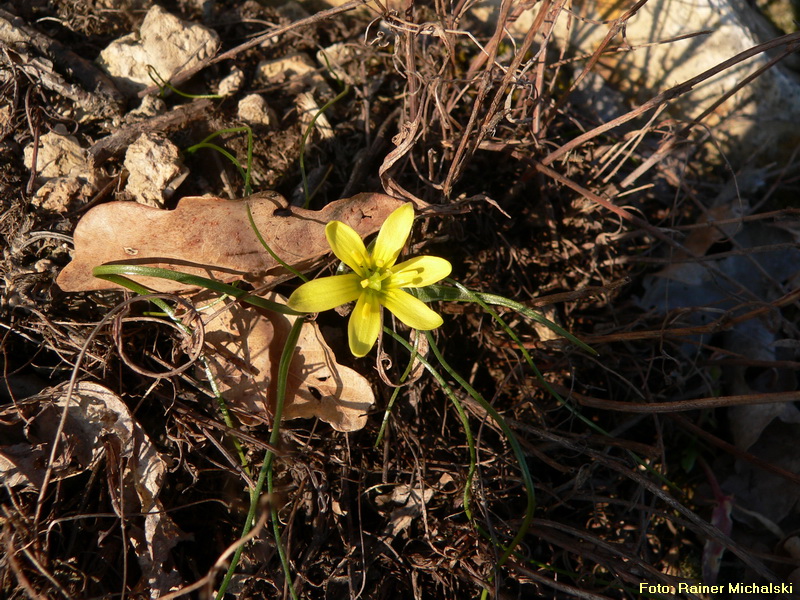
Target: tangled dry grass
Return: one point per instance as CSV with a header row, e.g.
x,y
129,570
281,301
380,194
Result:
x,y
524,182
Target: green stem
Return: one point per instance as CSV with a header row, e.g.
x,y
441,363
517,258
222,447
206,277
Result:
x,y
265,474
263,242
244,173
512,440
473,455
163,84
167,310
396,393
306,135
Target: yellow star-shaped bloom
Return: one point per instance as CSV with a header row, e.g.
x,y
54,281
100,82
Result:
x,y
375,281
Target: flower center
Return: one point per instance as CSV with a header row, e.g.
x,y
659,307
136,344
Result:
x,y
375,279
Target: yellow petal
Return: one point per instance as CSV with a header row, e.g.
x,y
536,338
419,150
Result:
x,y
410,310
365,324
393,235
418,272
325,293
347,246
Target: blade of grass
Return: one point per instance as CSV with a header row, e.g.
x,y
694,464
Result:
x,y
480,298
474,297
116,274
512,441
473,465
244,173
222,405
265,474
263,242
164,84
307,134
461,294
396,392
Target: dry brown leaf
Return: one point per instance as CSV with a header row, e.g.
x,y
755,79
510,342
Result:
x,y
29,427
212,237
410,502
247,346
97,419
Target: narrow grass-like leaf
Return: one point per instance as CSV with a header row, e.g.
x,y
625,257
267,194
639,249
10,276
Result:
x,y
244,173
163,84
481,300
473,465
433,293
263,242
274,438
546,384
113,272
305,137
265,474
167,309
396,392
512,441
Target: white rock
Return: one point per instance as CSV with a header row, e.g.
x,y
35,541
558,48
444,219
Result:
x,y
254,109
307,108
297,70
150,106
155,169
760,116
520,19
5,117
337,58
59,155
231,83
163,41
59,193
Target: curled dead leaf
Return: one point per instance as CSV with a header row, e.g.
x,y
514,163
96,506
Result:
x,y
247,345
212,237
97,421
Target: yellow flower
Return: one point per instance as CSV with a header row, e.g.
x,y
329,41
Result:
x,y
376,281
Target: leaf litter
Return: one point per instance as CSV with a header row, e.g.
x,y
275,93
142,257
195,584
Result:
x,y
98,426
212,237
246,347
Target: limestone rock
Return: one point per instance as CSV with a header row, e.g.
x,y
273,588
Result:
x,y
231,83
164,42
59,155
254,109
156,169
150,106
58,194
337,57
297,71
758,118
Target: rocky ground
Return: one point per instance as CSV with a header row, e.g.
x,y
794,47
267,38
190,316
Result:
x,y
626,173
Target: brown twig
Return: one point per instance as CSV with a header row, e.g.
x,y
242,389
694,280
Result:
x,y
721,324
185,74
92,78
670,94
491,116
617,25
683,405
790,477
117,143
702,526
